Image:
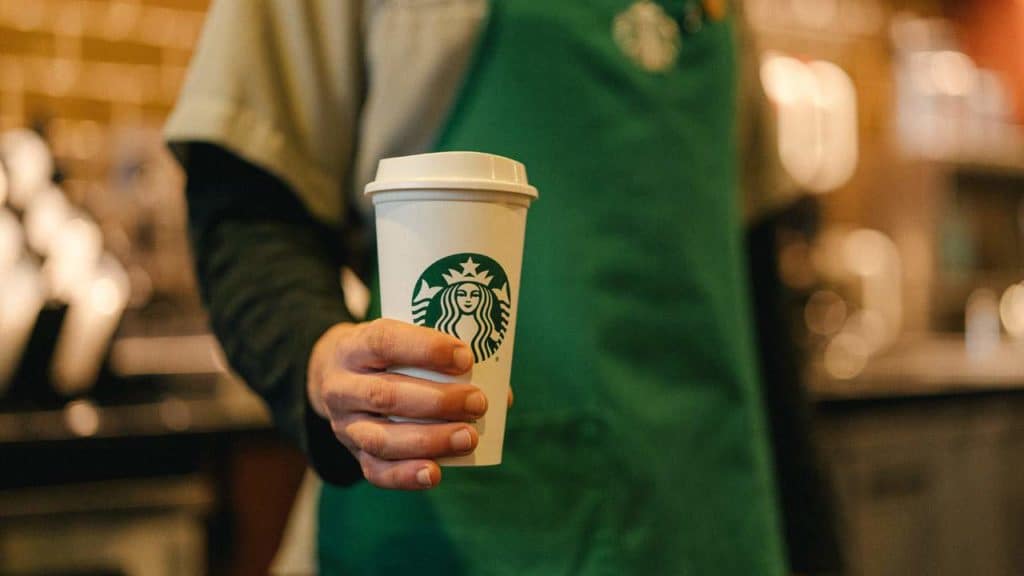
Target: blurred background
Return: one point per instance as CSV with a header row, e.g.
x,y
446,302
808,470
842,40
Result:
x,y
885,190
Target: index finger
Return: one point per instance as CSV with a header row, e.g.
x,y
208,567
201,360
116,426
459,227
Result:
x,y
384,343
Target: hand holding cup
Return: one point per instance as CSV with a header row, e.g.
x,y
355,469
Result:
x,y
349,385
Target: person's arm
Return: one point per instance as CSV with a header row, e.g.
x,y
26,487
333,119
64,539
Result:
x,y
269,275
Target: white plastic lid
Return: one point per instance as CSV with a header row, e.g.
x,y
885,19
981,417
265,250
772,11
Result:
x,y
451,171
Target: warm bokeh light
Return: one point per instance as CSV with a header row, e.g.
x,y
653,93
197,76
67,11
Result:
x,y
1011,310
952,72
846,356
837,116
3,185
175,414
11,242
865,252
825,313
981,324
105,296
863,313
82,418
74,251
28,162
875,261
816,111
871,327
45,215
94,311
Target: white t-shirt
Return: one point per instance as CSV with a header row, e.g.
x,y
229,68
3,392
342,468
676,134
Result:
x,y
317,91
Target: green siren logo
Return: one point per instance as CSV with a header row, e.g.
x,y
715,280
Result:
x,y
467,296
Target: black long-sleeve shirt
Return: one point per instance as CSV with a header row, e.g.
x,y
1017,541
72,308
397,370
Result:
x,y
269,275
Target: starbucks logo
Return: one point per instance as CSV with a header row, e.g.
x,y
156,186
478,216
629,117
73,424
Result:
x,y
467,296
648,35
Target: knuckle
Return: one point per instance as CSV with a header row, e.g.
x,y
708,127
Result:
x,y
373,441
347,398
333,396
341,345
379,338
381,395
343,349
341,397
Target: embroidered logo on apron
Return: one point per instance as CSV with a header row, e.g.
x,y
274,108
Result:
x,y
648,35
467,296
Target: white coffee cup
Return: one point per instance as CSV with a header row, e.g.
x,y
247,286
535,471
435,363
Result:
x,y
450,228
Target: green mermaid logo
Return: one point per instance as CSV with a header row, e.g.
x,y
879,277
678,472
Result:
x,y
465,295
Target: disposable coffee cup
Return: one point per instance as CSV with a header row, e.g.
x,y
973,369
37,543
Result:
x,y
450,228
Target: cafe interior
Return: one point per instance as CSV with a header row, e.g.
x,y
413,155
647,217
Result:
x,y
882,170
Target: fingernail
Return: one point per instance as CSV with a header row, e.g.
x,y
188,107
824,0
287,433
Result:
x,y
476,403
462,440
463,358
423,477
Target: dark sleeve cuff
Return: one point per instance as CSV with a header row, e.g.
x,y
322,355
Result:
x,y
326,455
331,461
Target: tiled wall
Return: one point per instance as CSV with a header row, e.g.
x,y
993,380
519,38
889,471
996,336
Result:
x,y
99,77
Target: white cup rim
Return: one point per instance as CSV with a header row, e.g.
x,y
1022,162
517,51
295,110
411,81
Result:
x,y
462,194
453,184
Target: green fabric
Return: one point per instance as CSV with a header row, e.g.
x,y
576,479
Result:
x,y
636,445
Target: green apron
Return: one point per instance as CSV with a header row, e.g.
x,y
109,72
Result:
x,y
636,445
